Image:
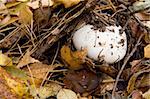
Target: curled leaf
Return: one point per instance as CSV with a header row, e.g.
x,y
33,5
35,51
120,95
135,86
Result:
x,y
73,59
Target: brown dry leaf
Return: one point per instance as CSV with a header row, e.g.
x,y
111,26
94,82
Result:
x,y
81,81
39,71
25,14
132,81
5,60
45,91
144,17
147,51
73,59
107,83
68,3
27,59
144,82
66,94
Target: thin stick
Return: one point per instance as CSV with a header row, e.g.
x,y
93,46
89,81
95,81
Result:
x,y
124,64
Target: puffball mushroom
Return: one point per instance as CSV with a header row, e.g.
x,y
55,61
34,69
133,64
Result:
x,y
110,45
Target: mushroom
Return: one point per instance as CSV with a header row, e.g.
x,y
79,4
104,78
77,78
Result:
x,y
109,46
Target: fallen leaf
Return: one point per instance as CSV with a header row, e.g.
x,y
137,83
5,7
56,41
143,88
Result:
x,y
132,81
73,59
25,14
5,91
144,82
66,94
136,94
16,72
68,3
81,81
146,95
36,4
8,21
147,38
144,17
15,87
38,71
5,60
147,51
27,59
45,91
107,83
18,86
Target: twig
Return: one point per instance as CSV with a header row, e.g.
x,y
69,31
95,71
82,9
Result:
x,y
124,64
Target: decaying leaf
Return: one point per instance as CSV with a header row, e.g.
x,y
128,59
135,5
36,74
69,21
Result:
x,y
147,51
18,86
132,81
81,81
16,72
66,94
46,91
144,82
107,83
5,60
5,90
27,59
73,59
6,93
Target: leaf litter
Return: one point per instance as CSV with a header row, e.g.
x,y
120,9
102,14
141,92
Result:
x,y
38,34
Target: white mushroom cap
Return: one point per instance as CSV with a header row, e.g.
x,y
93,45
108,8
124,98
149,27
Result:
x,y
110,45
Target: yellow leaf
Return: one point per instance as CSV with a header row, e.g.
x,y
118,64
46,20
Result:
x,y
73,59
147,51
25,14
68,3
146,95
5,91
17,86
5,60
27,59
12,4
